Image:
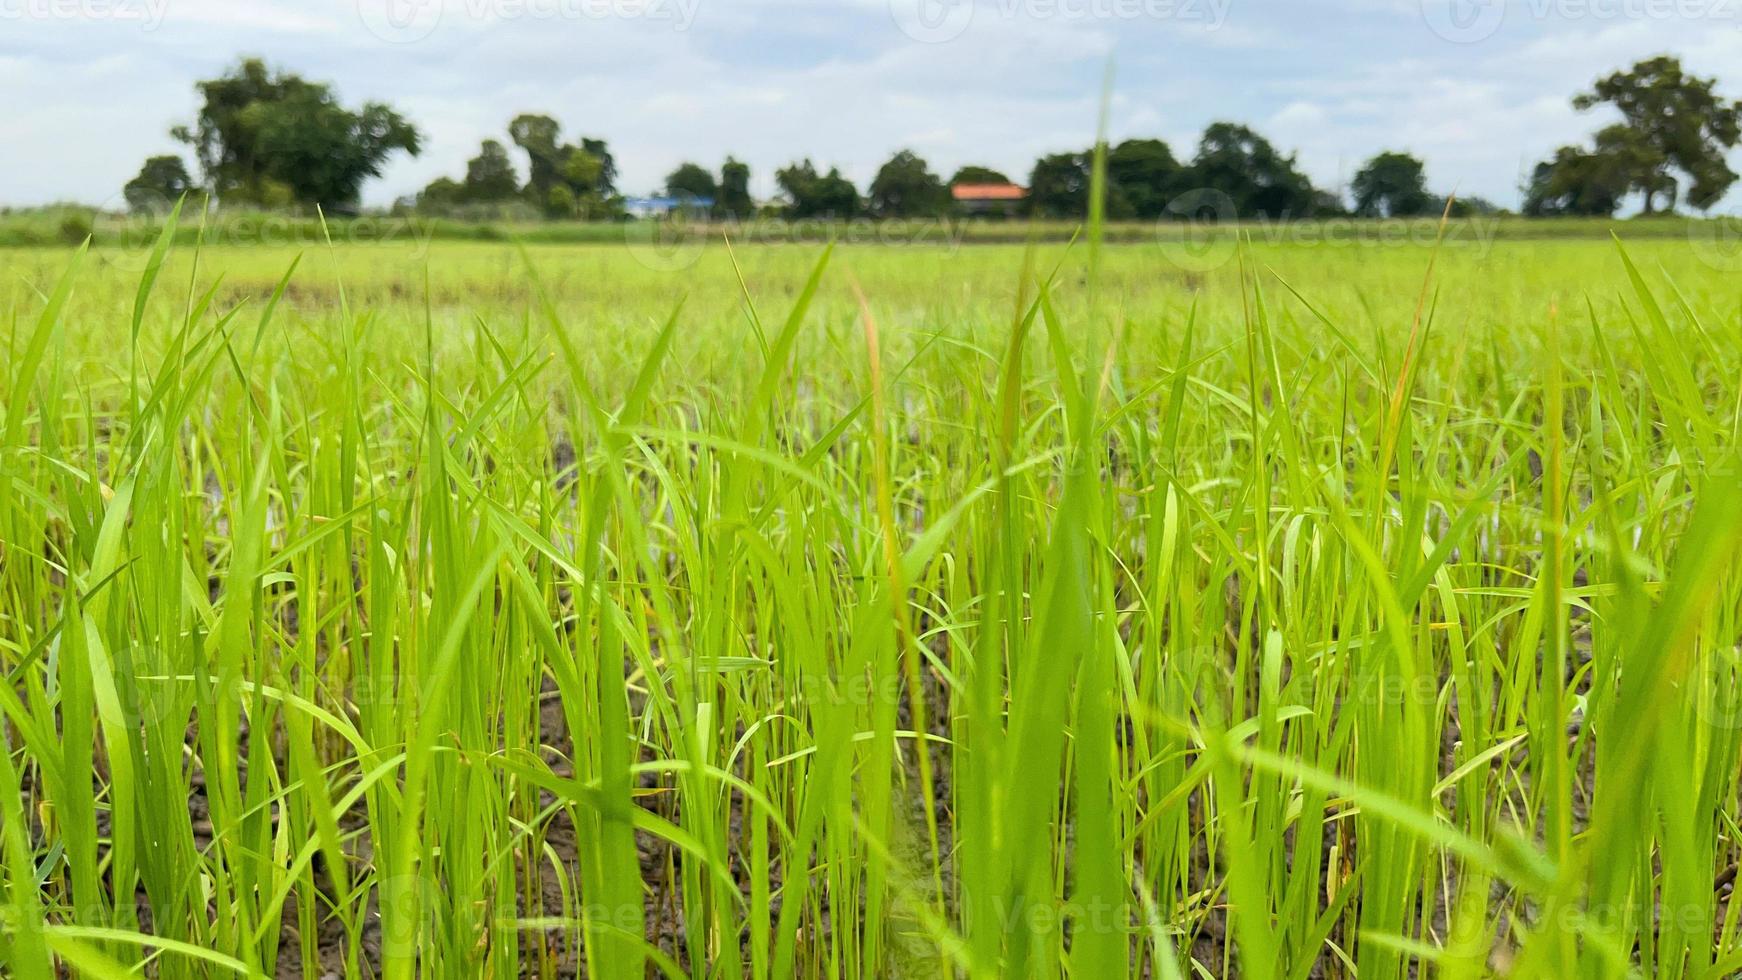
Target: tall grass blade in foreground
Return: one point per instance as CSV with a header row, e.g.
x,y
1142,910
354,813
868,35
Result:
x,y
1323,614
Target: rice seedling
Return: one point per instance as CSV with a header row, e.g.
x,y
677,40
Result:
x,y
1340,610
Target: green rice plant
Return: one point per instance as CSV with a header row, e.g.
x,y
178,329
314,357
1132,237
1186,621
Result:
x,y
1051,609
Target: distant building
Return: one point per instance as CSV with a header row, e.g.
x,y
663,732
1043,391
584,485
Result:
x,y
995,200
659,207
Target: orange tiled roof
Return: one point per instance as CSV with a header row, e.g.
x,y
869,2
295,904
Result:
x,y
987,192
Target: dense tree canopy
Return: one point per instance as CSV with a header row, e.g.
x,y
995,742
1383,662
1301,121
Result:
x,y
905,187
1674,123
603,181
161,182
1391,185
441,194
691,181
1576,181
273,138
1673,127
734,201
1058,186
1142,175
1144,179
490,175
565,180
1259,179
974,174
812,195
537,136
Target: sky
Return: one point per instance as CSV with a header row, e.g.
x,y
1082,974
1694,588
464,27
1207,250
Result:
x,y
1479,89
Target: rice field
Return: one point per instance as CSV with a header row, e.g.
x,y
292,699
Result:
x,y
1294,609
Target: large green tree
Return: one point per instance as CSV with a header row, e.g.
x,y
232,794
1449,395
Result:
x,y
563,178
604,181
905,187
1142,176
490,176
1058,186
813,195
1391,185
537,136
691,181
160,183
582,191
1578,181
734,200
441,194
272,137
1675,127
1258,178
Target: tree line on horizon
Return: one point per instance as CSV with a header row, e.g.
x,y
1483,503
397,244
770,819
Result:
x,y
271,139
1144,178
